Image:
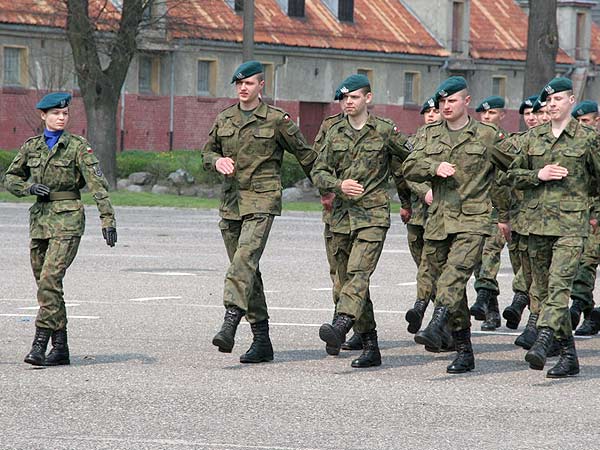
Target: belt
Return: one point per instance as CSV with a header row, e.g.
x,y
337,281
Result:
x,y
56,196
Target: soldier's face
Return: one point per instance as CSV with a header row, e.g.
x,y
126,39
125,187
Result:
x,y
56,119
530,118
432,115
249,89
560,104
493,116
543,115
589,119
455,106
355,103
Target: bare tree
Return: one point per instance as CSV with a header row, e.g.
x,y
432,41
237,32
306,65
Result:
x,y
542,45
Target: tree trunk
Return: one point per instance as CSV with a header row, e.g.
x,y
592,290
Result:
x,y
542,45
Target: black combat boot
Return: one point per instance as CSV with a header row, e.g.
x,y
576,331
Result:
x,y
513,312
225,338
529,334
479,308
334,334
576,309
433,335
37,354
554,349
568,364
59,354
370,356
465,360
536,356
492,315
354,343
414,316
261,349
447,342
590,325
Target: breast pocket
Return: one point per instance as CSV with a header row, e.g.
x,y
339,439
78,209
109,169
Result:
x,y
264,141
34,166
373,155
474,158
225,135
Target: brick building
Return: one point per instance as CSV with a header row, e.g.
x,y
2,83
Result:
x,y
187,55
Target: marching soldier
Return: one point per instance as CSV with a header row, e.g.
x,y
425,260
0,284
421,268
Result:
x,y
246,146
359,152
54,167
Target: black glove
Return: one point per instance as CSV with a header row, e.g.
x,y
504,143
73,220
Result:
x,y
39,189
110,236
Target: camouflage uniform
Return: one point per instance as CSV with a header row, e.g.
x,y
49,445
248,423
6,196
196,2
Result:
x,y
252,195
557,213
585,279
56,226
360,223
460,215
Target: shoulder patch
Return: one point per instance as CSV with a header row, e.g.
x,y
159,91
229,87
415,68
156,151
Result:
x,y
408,146
286,117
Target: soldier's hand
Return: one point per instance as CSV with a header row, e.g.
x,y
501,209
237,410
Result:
x,y
445,170
39,189
225,166
594,224
429,197
506,230
405,214
110,236
352,188
552,172
327,201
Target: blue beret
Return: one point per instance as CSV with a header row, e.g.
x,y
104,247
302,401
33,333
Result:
x,y
537,105
431,102
246,70
54,100
451,86
527,103
351,84
555,85
493,102
585,107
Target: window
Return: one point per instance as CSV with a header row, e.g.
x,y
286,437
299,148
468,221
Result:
x,y
367,73
149,75
15,66
238,5
269,79
412,87
206,77
580,46
499,86
346,10
458,15
147,13
296,8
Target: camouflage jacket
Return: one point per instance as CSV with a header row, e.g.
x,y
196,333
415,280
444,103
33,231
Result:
x,y
368,156
461,203
327,123
68,166
256,145
561,207
417,192
518,221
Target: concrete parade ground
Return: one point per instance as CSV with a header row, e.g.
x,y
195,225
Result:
x,y
144,374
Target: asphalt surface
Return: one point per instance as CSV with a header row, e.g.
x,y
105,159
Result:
x,y
144,374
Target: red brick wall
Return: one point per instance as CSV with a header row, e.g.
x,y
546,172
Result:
x,y
147,119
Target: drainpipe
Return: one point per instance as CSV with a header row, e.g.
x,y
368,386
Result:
x,y
171,101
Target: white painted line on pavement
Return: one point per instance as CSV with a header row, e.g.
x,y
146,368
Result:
x,y
289,324
34,315
322,289
272,292
168,274
37,307
120,255
145,299
408,283
396,251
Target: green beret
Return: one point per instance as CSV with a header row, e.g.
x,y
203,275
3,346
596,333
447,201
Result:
x,y
493,102
527,103
351,84
246,70
555,85
537,105
585,107
451,86
431,102
54,100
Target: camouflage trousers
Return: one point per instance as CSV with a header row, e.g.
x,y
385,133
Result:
x,y
330,251
50,259
452,262
554,263
585,280
425,277
245,241
357,255
487,272
415,241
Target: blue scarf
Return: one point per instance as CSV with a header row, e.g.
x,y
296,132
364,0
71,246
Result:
x,y
52,137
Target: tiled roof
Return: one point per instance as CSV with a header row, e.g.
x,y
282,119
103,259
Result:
x,y
379,26
499,31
